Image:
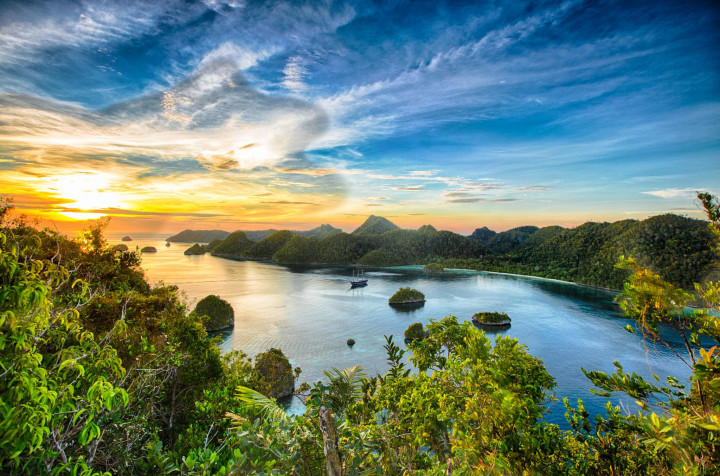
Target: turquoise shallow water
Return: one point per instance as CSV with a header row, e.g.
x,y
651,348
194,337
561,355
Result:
x,y
310,312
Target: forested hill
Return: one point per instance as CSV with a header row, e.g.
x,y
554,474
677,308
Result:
x,y
672,245
207,236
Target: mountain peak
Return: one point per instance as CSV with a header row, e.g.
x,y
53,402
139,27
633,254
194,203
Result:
x,y
375,225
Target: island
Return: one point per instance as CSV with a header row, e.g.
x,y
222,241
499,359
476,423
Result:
x,y
196,249
415,332
407,298
491,320
120,247
219,314
148,249
126,238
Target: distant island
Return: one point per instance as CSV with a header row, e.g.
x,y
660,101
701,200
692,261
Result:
x,y
206,236
586,254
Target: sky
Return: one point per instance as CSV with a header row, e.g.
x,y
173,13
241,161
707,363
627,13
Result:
x,y
169,115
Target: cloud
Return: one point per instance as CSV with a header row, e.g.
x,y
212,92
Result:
x,y
535,188
411,188
481,200
214,116
294,72
133,213
673,192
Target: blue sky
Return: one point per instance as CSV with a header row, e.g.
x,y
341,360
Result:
x,y
213,114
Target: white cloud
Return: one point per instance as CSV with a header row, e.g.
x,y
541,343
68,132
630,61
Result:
x,y
294,72
673,192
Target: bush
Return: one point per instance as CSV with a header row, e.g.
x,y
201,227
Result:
x,y
220,313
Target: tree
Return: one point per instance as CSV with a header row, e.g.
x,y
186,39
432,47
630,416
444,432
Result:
x,y
687,425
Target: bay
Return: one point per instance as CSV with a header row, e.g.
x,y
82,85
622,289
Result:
x,y
310,312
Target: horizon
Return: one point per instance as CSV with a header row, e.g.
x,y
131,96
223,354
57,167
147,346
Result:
x,y
115,234
248,116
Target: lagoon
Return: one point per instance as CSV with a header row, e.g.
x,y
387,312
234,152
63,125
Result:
x,y
310,312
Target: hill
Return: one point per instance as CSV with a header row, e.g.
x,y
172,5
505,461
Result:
x,y
266,248
206,236
233,245
198,236
375,226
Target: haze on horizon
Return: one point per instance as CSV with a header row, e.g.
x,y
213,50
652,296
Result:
x,y
251,115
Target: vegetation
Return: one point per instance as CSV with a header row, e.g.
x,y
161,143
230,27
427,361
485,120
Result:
x,y
491,318
406,295
351,342
274,374
415,331
198,236
375,226
196,249
233,245
266,248
103,373
220,314
436,267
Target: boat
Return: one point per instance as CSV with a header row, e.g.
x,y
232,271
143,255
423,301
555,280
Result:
x,y
358,281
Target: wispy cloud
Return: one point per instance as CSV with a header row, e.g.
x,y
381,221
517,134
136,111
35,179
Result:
x,y
673,192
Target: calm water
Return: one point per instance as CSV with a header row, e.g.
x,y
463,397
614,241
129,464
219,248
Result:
x,y
310,313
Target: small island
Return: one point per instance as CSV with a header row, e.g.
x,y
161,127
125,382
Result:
x,y
415,332
125,238
120,247
148,249
350,342
407,297
219,312
196,249
492,320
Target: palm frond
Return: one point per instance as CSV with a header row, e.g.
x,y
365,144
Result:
x,y
256,400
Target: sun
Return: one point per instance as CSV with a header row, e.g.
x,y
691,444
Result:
x,y
86,193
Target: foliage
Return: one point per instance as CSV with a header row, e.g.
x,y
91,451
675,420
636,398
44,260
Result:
x,y
406,295
434,267
266,248
219,312
298,250
414,331
687,425
102,372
